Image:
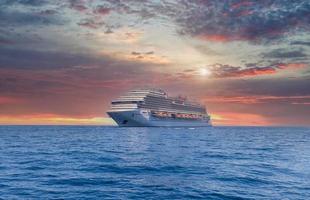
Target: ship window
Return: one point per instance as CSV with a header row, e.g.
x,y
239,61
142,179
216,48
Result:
x,y
124,102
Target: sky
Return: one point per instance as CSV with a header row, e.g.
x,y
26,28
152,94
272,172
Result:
x,y
63,61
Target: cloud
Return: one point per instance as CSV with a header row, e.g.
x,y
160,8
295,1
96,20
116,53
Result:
x,y
24,2
149,53
4,41
135,53
66,85
78,5
224,71
251,69
9,100
259,99
225,21
148,57
268,87
54,119
39,59
243,20
285,53
291,65
60,65
141,53
302,43
121,35
240,4
302,103
48,12
91,23
102,10
16,18
239,118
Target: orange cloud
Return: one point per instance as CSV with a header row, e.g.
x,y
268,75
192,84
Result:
x,y
53,119
9,100
222,37
218,118
256,71
215,38
228,71
238,119
291,65
255,99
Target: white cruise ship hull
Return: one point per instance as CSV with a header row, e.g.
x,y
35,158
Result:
x,y
142,118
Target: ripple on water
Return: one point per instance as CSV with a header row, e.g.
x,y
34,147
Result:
x,y
80,162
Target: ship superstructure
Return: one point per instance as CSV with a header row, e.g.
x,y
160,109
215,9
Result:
x,y
153,107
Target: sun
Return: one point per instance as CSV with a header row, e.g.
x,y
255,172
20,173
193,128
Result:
x,y
204,72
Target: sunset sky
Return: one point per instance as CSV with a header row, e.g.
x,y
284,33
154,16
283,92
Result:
x,y
63,61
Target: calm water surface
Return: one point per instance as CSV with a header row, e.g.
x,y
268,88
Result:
x,y
80,162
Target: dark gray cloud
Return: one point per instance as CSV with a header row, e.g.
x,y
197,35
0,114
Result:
x,y
48,12
285,53
263,86
254,21
218,21
91,23
135,53
40,59
65,81
33,59
302,43
224,21
15,18
5,41
24,2
280,86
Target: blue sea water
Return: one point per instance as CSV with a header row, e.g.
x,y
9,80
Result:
x,y
89,162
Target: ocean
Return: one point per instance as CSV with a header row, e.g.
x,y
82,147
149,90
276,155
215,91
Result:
x,y
97,162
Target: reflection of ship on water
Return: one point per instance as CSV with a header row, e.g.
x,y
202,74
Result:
x,y
153,107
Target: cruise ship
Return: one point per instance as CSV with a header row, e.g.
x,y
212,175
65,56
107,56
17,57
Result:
x,y
153,107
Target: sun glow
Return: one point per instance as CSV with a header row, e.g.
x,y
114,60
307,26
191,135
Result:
x,y
204,72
